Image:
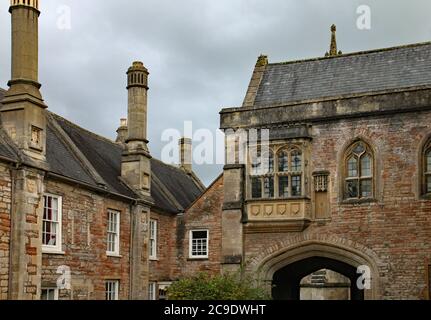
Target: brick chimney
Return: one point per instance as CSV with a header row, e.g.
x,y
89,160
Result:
x,y
23,115
186,159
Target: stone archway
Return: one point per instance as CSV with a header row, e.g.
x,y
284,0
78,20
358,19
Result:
x,y
344,252
286,284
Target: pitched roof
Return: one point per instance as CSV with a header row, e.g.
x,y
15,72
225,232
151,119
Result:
x,y
104,156
78,154
356,73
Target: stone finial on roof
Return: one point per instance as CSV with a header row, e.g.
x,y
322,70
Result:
x,y
262,61
333,50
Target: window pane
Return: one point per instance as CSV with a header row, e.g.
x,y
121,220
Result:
x,y
366,188
48,294
429,161
50,221
268,163
199,243
296,161
283,162
199,234
256,164
296,186
256,188
359,149
428,184
283,187
352,189
352,167
268,187
366,166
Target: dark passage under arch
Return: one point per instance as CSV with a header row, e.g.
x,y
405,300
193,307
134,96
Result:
x,y
286,281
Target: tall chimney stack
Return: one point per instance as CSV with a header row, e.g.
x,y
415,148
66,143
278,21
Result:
x,y
23,114
136,164
185,146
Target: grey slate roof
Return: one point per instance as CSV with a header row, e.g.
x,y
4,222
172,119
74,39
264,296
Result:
x,y
105,157
177,190
356,73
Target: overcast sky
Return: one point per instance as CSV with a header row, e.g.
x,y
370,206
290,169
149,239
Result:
x,y
200,53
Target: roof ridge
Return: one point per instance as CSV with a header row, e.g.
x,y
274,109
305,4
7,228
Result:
x,y
357,53
95,135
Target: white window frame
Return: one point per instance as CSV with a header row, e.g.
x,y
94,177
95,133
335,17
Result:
x,y
56,295
163,286
152,291
57,249
191,255
116,251
114,290
153,239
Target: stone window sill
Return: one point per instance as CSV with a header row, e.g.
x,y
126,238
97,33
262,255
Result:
x,y
198,259
359,201
53,252
113,255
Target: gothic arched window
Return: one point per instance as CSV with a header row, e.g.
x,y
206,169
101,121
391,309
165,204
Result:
x,y
359,175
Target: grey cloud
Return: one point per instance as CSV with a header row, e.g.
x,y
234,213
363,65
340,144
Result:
x,y
200,53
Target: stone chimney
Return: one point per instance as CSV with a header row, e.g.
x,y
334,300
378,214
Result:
x,y
136,164
122,132
186,159
23,115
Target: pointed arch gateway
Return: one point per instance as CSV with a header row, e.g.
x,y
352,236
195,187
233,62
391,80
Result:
x,y
283,270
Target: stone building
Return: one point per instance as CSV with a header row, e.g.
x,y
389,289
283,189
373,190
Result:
x,y
342,181
80,214
328,173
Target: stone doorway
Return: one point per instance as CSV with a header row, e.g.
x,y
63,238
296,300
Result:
x,y
337,283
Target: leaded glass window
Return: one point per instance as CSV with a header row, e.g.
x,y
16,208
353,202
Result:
x,y
359,172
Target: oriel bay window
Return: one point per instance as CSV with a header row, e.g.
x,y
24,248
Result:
x,y
277,177
359,179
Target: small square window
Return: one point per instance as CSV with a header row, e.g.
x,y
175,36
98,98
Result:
x,y
112,289
49,294
199,244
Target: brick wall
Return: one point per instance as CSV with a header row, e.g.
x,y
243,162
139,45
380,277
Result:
x,y
397,228
5,203
160,269
84,244
204,214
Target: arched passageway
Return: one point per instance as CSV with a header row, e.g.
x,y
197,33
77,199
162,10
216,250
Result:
x,y
287,280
